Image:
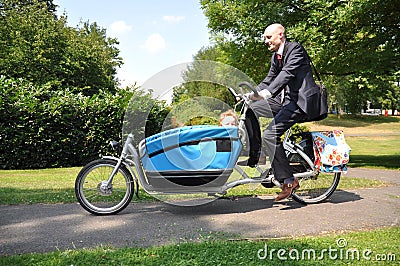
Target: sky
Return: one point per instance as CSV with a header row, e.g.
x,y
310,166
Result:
x,y
153,34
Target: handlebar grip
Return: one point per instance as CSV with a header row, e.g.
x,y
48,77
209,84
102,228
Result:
x,y
245,83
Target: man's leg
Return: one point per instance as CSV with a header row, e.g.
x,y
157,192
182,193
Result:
x,y
286,118
264,108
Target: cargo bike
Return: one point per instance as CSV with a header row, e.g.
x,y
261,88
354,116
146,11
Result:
x,y
201,159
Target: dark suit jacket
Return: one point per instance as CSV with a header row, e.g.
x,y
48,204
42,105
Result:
x,y
296,74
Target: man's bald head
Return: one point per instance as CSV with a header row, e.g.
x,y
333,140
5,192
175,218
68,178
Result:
x,y
274,35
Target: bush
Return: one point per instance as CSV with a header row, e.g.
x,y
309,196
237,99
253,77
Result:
x,y
43,128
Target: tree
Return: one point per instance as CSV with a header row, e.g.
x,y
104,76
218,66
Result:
x,y
51,7
90,60
39,47
349,41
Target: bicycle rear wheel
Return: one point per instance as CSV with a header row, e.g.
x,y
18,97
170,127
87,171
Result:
x,y
313,189
95,195
316,189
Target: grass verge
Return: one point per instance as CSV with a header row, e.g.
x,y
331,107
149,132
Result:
x,y
57,186
380,152
376,247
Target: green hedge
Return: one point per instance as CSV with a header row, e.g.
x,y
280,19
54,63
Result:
x,y
41,128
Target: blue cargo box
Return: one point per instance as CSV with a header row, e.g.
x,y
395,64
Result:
x,y
191,156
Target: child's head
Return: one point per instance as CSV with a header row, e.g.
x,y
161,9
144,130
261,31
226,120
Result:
x,y
228,118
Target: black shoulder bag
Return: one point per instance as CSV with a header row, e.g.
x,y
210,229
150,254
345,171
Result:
x,y
323,102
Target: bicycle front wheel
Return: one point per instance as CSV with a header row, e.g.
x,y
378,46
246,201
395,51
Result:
x,y
95,194
316,189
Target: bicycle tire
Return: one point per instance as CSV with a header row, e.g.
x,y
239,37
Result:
x,y
313,189
316,189
94,196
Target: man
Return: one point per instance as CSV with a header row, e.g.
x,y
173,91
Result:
x,y
289,94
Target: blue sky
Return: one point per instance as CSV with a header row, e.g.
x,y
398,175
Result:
x,y
153,34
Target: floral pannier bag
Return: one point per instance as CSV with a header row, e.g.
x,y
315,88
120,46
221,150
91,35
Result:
x,y
331,151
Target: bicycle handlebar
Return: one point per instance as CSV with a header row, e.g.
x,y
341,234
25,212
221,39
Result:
x,y
245,83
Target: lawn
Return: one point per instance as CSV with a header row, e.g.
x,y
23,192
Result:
x,y
57,186
376,247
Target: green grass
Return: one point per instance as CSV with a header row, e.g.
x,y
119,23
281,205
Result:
x,y
346,183
38,186
353,121
355,248
41,186
57,186
375,151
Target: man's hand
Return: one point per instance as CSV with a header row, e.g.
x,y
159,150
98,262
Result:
x,y
262,95
254,98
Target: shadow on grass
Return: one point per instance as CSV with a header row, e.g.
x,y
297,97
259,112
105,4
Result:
x,y
356,120
386,161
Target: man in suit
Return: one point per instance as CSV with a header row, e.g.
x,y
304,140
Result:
x,y
290,95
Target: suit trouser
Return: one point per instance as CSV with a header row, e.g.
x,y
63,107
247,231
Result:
x,y
284,116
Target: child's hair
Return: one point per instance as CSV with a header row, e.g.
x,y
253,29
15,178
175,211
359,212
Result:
x,y
228,118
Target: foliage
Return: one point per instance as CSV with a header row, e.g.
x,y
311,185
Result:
x,y
58,90
51,7
43,128
41,48
355,44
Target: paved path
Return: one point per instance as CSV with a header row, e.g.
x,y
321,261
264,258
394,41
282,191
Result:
x,y
45,228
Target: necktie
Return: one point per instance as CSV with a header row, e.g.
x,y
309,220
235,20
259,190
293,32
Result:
x,y
279,57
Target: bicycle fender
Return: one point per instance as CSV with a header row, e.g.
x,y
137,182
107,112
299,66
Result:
x,y
135,179
110,158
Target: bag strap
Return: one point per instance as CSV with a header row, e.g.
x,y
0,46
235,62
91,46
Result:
x,y
315,69
312,64
309,58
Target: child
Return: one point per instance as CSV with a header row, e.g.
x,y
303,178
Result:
x,y
228,118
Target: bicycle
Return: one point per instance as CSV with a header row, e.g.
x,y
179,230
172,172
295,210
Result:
x,y
107,185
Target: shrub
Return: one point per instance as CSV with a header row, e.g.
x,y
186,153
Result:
x,y
41,128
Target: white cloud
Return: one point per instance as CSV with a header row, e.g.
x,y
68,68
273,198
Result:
x,y
119,27
155,43
126,78
173,19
